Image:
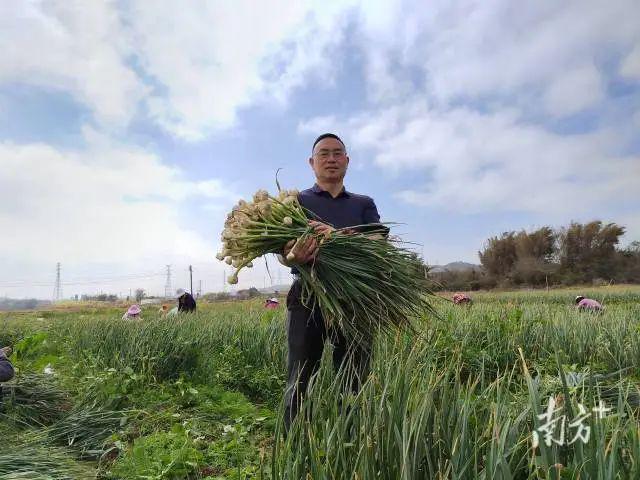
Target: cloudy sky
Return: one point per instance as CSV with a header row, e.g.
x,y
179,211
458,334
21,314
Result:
x,y
129,128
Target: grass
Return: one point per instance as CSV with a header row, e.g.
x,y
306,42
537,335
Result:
x,y
201,397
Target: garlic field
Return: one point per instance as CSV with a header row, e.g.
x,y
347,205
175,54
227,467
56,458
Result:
x,y
518,385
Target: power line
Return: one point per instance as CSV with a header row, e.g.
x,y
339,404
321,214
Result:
x,y
79,280
26,283
105,279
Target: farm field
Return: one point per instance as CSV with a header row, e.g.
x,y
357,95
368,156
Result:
x,y
200,396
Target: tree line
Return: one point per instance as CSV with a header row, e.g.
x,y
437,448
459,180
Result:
x,y
580,253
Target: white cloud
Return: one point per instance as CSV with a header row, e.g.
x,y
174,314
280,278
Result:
x,y
630,66
493,162
221,57
195,64
110,208
109,204
78,47
574,91
473,49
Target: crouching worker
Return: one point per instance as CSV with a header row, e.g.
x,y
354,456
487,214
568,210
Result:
x,y
133,313
186,302
587,304
462,299
6,369
271,303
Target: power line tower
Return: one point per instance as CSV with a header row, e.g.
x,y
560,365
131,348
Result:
x,y
168,289
57,290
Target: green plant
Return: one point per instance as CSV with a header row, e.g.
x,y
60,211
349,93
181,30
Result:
x,y
161,455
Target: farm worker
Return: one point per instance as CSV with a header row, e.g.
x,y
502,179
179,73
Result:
x,y
132,313
306,331
186,302
587,304
461,299
6,369
272,303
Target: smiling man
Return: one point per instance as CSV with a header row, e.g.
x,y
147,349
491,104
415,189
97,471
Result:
x,y
334,208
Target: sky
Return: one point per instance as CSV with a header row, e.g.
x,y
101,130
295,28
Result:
x,y
128,129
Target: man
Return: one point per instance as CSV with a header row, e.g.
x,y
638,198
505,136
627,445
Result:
x,y
334,208
186,302
587,304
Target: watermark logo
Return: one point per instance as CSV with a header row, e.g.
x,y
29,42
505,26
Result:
x,y
557,428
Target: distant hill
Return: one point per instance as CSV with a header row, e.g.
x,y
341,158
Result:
x,y
454,267
22,304
283,288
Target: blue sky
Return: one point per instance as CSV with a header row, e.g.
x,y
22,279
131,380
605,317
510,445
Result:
x,y
128,129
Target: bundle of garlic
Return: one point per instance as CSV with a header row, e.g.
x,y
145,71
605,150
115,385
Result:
x,y
253,229
362,283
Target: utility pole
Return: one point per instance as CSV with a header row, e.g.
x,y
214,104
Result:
x,y
199,288
57,291
191,279
168,289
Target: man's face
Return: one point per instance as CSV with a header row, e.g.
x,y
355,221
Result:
x,y
329,160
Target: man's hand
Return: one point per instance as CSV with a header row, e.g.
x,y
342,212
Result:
x,y
304,253
6,351
322,228
307,249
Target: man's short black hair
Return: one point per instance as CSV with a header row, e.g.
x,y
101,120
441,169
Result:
x,y
327,135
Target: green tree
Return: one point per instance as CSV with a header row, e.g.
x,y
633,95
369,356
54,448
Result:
x,y
535,253
499,255
140,294
588,251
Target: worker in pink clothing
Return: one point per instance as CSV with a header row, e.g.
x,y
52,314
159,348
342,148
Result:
x,y
272,303
461,299
587,304
133,313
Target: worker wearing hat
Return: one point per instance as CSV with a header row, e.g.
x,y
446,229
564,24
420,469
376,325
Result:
x,y
587,304
132,313
186,302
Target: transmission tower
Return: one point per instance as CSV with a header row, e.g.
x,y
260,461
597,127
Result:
x,y
57,290
168,289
